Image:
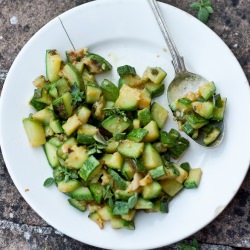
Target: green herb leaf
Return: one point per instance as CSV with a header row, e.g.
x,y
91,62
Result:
x,y
77,95
210,9
115,111
204,9
132,201
195,6
99,138
48,182
120,208
206,2
186,246
203,14
68,174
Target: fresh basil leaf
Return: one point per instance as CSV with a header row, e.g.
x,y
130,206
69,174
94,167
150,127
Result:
x,y
195,6
206,2
48,182
132,201
74,176
203,15
210,9
120,208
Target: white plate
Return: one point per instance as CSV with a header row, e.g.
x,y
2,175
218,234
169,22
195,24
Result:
x,y
125,32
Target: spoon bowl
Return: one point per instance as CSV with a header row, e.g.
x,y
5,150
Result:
x,y
184,81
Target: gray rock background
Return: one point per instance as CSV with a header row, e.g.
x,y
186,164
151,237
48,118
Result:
x,y
20,226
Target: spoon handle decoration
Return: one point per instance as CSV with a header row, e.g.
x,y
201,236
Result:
x,y
178,61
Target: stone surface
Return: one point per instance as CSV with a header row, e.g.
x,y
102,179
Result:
x,y
20,226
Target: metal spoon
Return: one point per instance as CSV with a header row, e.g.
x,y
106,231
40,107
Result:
x,y
184,80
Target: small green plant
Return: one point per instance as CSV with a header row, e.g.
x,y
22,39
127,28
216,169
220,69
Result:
x,y
204,8
186,246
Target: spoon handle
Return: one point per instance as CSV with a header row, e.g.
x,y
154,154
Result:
x,y
178,61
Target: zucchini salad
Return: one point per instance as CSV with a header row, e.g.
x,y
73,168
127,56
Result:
x,y
105,141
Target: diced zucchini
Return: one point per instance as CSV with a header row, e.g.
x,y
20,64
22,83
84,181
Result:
x,y
114,160
151,190
48,130
194,178
81,193
62,106
144,204
121,183
187,128
65,148
150,157
153,132
180,147
218,114
130,216
40,82
55,141
185,166
183,174
159,114
171,187
106,213
196,121
136,123
179,108
144,116
80,205
207,90
155,89
93,93
126,70
112,145
62,86
53,65
204,109
68,186
109,90
130,149
83,114
76,157
97,191
42,97
157,172
128,98
169,139
127,170
95,216
211,137
96,64
56,126
72,124
90,168
34,131
116,124
37,105
145,99
51,154
75,55
123,194
156,75
137,134
118,223
44,116
70,72
133,81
